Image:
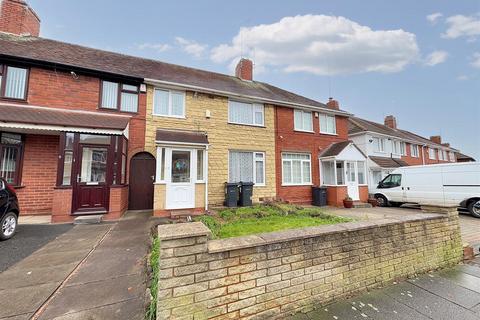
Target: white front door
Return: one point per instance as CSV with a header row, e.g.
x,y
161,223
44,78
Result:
x,y
351,180
180,182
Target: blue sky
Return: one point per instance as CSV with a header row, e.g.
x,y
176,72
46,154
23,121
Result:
x,y
376,57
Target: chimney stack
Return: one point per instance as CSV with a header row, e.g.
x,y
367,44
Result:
x,y
18,18
244,69
333,104
391,122
436,139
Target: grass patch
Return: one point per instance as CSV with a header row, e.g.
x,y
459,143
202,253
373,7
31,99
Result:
x,y
151,313
265,218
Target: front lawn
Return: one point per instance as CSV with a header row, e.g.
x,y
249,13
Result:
x,y
265,218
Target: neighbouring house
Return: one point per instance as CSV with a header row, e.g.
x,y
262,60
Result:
x,y
312,148
388,147
463,157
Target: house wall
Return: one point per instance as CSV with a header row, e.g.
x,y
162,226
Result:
x,y
289,140
39,174
222,137
273,276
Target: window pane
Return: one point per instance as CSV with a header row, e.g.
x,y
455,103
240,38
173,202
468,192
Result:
x,y
361,172
16,83
239,112
162,164
180,166
109,95
331,125
259,110
296,171
67,168
124,168
306,171
11,138
8,163
129,102
240,166
94,165
297,115
199,164
69,140
328,173
161,102
94,139
340,173
287,172
177,104
259,178
128,87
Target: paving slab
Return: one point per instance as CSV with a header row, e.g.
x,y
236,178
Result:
x,y
463,279
470,269
91,295
339,311
122,310
19,317
427,303
52,259
18,301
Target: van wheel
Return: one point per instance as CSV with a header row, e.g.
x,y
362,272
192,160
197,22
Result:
x,y
381,200
474,208
8,226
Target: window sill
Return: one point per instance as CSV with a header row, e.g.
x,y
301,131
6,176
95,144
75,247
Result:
x,y
117,111
167,116
17,187
62,187
304,131
247,124
22,101
329,134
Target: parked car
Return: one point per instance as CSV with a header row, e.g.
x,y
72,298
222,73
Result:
x,y
443,185
9,210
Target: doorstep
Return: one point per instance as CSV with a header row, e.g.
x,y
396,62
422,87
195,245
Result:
x,y
34,219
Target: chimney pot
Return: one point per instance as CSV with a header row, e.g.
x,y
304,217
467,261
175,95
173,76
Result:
x,y
18,18
391,122
333,104
244,69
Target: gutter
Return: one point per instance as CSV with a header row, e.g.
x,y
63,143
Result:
x,y
236,95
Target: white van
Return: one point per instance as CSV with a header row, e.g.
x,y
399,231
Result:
x,y
439,184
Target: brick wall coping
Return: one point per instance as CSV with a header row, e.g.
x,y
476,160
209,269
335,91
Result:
x,y
196,229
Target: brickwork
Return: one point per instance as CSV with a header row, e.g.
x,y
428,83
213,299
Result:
x,y
222,137
18,18
39,174
289,140
62,205
118,202
273,275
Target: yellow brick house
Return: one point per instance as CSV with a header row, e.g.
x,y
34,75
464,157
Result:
x,y
205,129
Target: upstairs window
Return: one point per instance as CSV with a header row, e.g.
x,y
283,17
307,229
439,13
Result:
x,y
169,103
452,156
431,154
414,150
378,144
395,147
13,82
403,148
303,121
118,96
440,155
245,113
327,124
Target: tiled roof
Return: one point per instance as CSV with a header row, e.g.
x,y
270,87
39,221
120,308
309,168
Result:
x,y
385,162
464,157
61,53
336,148
357,125
26,114
169,135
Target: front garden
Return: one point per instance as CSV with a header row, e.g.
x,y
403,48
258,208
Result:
x,y
244,221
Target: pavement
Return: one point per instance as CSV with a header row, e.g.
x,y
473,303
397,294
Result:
x,y
445,295
78,272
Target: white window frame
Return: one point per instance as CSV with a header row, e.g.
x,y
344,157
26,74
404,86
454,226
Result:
x,y
203,167
327,116
380,144
396,147
451,156
414,147
302,113
303,183
256,107
403,148
169,115
255,160
431,154
440,154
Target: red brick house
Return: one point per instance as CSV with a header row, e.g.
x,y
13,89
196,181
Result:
x,y
308,145
65,126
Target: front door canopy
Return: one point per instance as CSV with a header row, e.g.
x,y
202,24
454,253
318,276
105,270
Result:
x,y
181,137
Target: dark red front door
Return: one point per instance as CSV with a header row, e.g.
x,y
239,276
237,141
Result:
x,y
142,176
91,190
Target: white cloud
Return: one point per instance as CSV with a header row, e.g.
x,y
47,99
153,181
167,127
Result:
x,y
462,77
191,47
432,18
476,60
436,57
159,47
462,26
321,45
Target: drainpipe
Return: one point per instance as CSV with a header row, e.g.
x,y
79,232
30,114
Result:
x,y
206,178
423,155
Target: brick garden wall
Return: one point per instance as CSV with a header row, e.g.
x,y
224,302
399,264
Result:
x,y
272,275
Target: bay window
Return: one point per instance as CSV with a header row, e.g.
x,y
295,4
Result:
x,y
118,96
13,82
327,124
11,146
169,103
244,166
246,113
303,120
296,169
